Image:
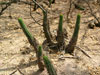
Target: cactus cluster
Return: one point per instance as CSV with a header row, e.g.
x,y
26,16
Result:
x,y
43,60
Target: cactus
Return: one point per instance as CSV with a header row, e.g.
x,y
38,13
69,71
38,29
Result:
x,y
39,51
70,47
46,28
34,43
49,66
60,33
39,55
60,24
30,38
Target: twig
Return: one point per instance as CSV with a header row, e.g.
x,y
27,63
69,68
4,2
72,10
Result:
x,y
20,71
91,11
33,17
39,5
16,71
13,72
69,9
7,5
78,48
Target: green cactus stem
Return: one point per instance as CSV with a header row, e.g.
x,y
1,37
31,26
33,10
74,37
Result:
x,y
51,70
60,24
40,51
40,57
30,38
46,28
70,47
60,33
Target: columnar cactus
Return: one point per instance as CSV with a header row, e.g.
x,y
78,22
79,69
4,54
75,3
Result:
x,y
70,47
60,35
39,58
30,38
49,66
46,28
60,24
34,43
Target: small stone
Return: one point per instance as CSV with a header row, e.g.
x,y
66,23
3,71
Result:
x,y
91,25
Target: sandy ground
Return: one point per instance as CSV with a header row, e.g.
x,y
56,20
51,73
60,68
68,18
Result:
x,y
13,42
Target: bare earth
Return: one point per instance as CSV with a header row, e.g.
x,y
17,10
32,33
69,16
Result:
x,y
13,42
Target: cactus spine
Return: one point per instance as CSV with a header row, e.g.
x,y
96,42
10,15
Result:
x,y
73,41
49,66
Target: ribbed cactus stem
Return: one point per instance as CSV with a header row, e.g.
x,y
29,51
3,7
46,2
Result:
x,y
39,51
30,38
60,35
77,26
25,30
60,23
49,66
40,58
46,27
70,47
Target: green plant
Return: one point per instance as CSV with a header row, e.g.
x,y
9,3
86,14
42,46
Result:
x,y
33,42
60,24
29,36
49,66
46,28
70,47
40,57
60,35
